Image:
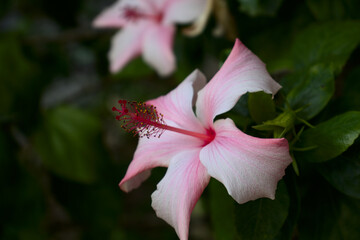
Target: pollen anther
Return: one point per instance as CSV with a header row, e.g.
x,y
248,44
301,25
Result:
x,y
140,119
145,121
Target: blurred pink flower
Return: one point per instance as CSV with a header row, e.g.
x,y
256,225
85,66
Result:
x,y
249,167
148,28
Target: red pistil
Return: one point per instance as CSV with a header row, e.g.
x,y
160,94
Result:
x,y
144,120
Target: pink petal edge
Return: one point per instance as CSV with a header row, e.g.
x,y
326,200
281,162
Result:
x,y
154,152
178,192
249,167
177,105
112,16
183,11
126,45
242,72
157,48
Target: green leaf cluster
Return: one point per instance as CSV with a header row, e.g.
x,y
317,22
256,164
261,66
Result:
x,y
68,146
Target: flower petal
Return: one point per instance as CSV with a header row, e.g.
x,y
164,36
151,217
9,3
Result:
x,y
198,24
157,48
126,45
242,72
249,167
184,11
113,16
155,152
177,105
180,189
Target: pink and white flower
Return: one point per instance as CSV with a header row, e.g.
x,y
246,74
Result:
x,y
148,28
195,148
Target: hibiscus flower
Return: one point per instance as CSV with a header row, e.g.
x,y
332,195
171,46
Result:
x,y
148,28
195,148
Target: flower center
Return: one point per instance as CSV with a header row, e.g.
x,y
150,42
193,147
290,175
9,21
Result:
x,y
133,14
144,120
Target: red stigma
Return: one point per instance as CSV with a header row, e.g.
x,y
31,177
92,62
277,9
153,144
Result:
x,y
140,119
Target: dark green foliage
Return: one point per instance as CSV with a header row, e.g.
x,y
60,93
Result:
x,y
263,218
260,7
22,203
329,43
222,210
314,88
326,214
333,9
348,95
261,107
343,172
16,73
329,139
67,143
280,125
290,224
319,52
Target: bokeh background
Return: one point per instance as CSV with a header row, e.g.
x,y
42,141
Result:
x,y
62,153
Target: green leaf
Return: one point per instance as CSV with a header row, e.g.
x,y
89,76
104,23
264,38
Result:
x,y
260,7
4,8
222,212
349,98
327,9
334,9
280,125
4,150
262,219
22,201
186,60
328,43
15,73
331,138
326,215
348,222
240,113
131,70
313,90
261,107
289,226
343,172
275,53
67,143
319,53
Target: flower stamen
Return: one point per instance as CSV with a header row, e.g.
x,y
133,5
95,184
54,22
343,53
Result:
x,y
144,120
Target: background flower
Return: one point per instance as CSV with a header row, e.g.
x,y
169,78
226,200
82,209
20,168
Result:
x,y
148,28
